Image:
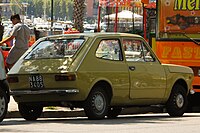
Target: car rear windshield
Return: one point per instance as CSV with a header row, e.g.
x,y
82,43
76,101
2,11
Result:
x,y
56,48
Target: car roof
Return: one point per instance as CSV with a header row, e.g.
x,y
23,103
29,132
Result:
x,y
97,34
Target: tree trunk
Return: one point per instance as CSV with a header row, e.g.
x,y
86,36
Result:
x,y
78,15
1,11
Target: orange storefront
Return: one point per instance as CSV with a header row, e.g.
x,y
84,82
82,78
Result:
x,y
177,37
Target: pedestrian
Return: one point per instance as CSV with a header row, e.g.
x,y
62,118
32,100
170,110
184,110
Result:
x,y
37,33
1,31
20,34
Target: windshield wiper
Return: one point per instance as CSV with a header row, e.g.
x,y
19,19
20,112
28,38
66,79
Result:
x,y
196,42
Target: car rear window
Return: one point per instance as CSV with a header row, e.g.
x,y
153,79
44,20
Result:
x,y
56,48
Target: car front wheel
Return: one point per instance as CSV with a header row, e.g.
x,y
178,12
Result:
x,y
177,102
96,105
28,112
3,104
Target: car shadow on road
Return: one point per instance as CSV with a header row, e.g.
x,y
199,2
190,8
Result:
x,y
121,119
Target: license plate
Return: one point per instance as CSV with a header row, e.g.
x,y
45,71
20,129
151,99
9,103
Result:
x,y
36,81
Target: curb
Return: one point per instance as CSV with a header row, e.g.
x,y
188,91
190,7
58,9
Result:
x,y
81,113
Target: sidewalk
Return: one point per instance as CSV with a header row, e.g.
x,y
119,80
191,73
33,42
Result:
x,y
61,112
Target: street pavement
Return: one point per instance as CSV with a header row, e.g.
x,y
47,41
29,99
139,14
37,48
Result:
x,y
61,112
53,112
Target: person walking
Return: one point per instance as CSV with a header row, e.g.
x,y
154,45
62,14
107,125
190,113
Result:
x,y
37,33
20,34
1,31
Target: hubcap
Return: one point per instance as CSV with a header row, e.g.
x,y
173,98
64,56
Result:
x,y
99,102
2,105
179,101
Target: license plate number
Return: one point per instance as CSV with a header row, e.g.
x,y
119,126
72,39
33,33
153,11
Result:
x,y
36,81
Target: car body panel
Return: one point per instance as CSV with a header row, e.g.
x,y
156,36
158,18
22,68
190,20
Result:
x,y
146,79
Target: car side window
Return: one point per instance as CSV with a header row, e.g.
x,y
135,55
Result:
x,y
136,50
109,50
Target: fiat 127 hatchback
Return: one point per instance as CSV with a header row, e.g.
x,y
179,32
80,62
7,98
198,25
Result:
x,y
99,72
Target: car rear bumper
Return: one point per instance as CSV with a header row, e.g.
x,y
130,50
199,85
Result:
x,y
38,92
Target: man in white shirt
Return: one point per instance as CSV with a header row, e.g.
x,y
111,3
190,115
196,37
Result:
x,y
21,34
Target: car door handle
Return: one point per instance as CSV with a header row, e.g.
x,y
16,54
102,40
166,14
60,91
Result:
x,y
132,68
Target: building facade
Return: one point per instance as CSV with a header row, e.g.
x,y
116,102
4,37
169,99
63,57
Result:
x,y
91,8
5,10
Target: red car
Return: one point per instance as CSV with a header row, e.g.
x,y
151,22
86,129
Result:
x,y
5,51
71,31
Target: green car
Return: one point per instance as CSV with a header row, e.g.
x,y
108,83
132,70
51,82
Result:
x,y
100,72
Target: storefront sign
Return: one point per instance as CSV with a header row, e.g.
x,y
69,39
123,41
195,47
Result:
x,y
179,16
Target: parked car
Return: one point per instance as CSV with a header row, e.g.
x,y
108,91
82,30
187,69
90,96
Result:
x,y
100,72
4,89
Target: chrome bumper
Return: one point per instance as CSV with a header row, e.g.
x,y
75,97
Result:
x,y
37,92
192,92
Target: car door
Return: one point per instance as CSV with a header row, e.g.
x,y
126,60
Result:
x,y
147,75
109,64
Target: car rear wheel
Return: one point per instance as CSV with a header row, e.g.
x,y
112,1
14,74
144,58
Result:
x,y
29,112
177,102
96,105
113,112
3,104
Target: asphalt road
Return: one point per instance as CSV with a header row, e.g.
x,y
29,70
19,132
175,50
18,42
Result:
x,y
143,123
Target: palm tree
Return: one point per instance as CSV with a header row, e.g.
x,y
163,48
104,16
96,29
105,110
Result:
x,y
78,15
0,11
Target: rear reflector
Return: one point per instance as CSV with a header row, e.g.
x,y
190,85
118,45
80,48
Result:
x,y
12,79
70,77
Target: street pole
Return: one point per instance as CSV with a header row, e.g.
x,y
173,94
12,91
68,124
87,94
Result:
x,y
116,19
51,16
99,18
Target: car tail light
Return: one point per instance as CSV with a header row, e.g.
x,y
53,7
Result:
x,y
12,79
69,77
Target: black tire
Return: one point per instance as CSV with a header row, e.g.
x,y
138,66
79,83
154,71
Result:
x,y
28,112
96,105
177,102
3,104
113,112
